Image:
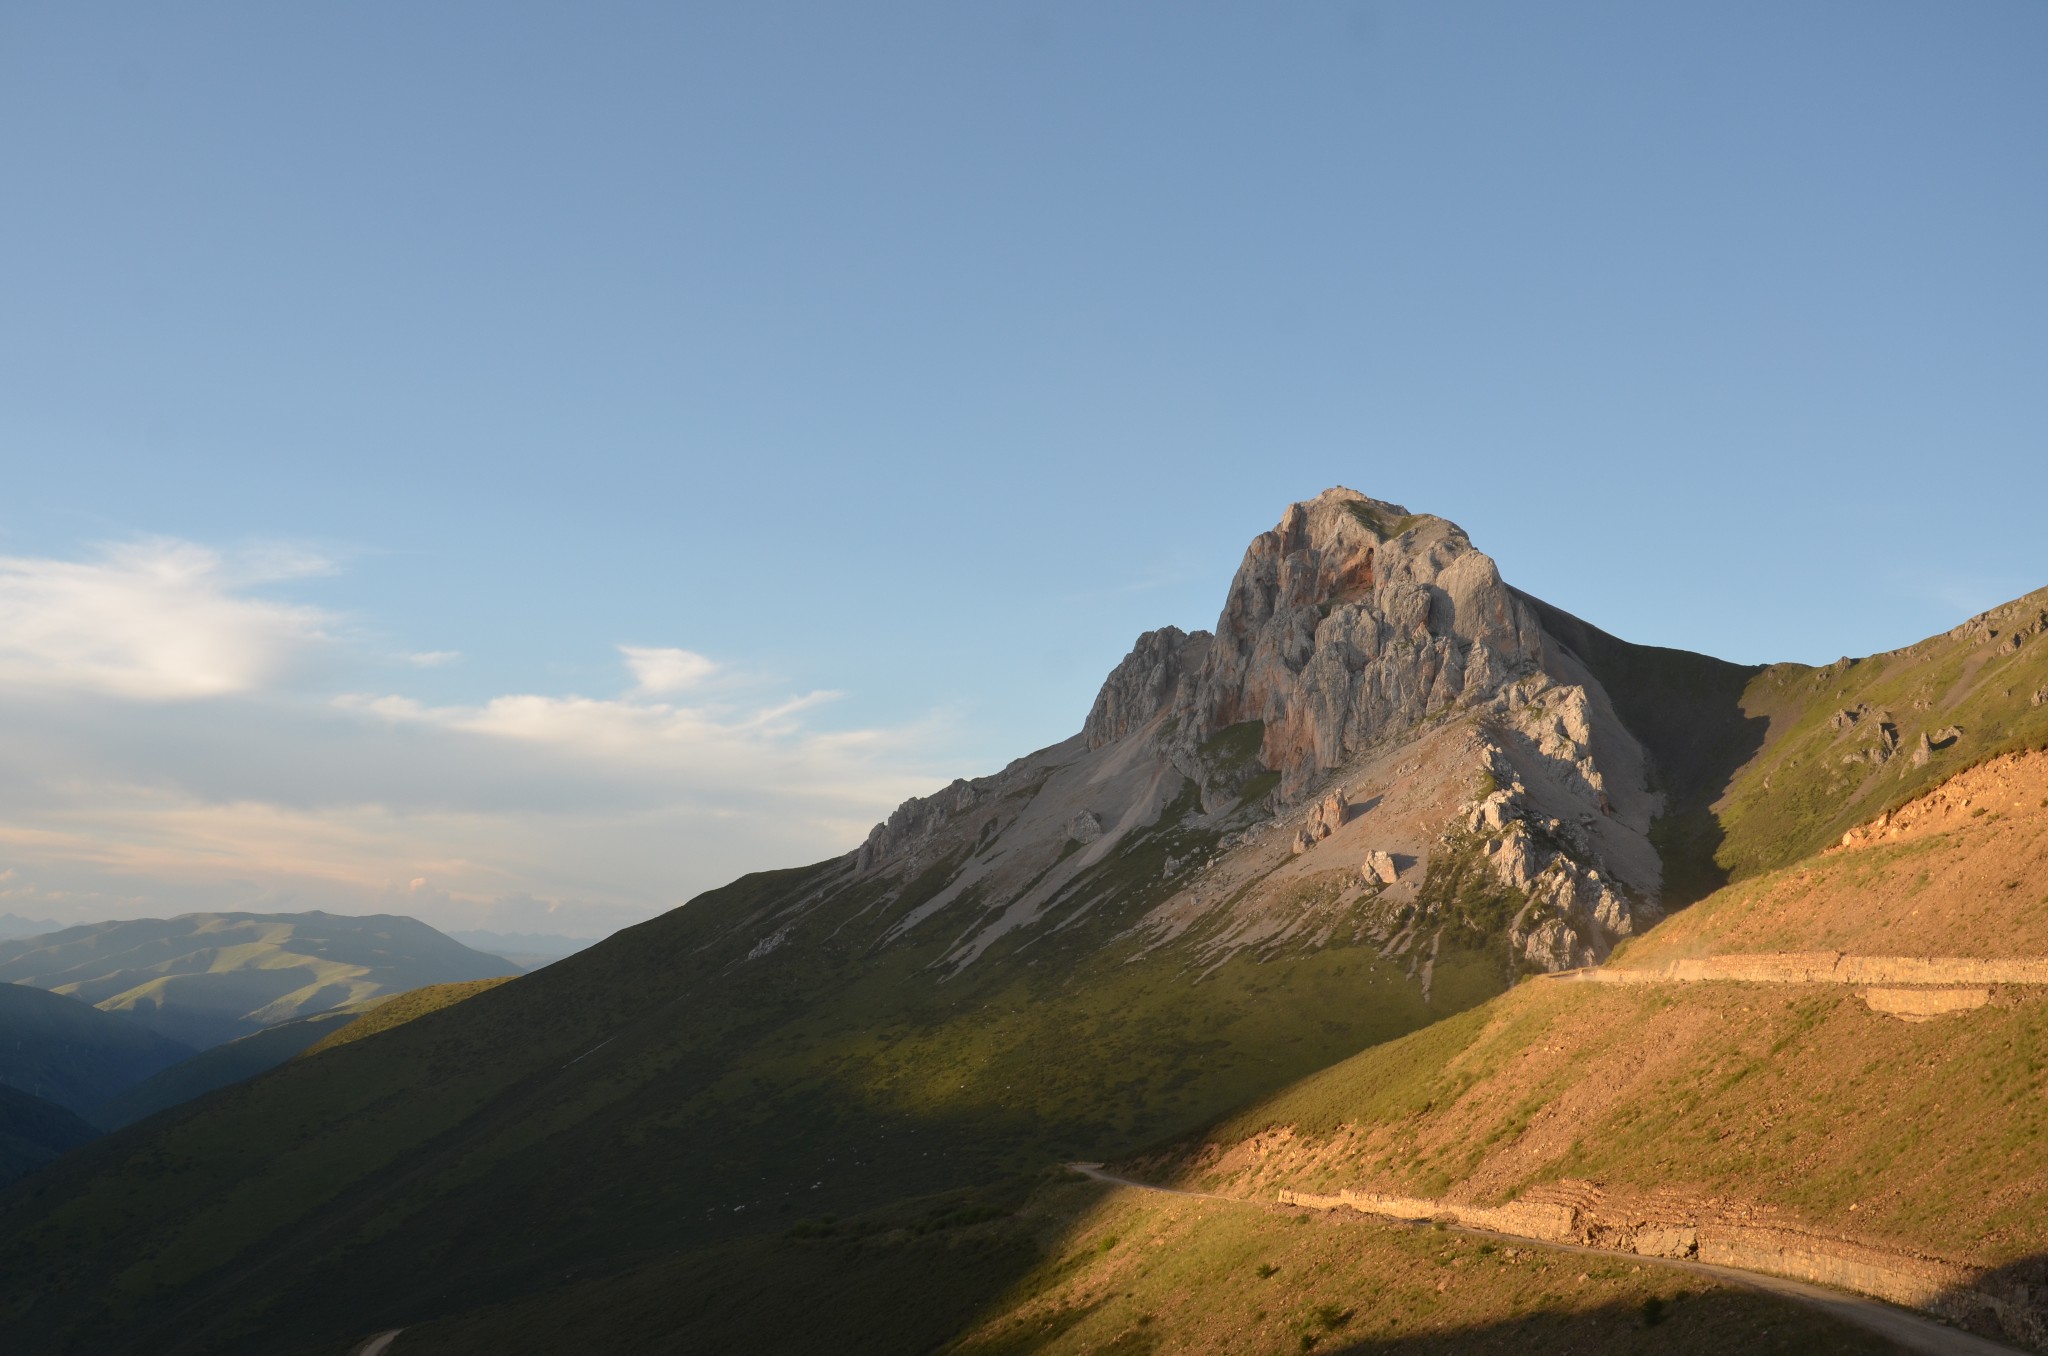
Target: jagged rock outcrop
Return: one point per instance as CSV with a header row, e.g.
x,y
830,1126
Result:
x,y
1874,731
1353,632
916,820
1151,677
1350,621
1573,912
1325,819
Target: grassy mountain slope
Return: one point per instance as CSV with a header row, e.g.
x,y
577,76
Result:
x,y
1960,871
33,1132
1796,1107
207,978
1762,766
225,1065
1972,691
382,1014
699,1095
1078,1267
240,1060
71,1053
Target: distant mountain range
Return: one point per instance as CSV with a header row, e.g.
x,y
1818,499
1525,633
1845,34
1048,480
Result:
x,y
530,950
207,978
14,925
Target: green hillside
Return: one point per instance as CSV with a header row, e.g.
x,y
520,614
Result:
x,y
71,1053
225,1065
698,1097
382,1014
1843,738
33,1132
1082,1268
1798,1101
1764,765
207,978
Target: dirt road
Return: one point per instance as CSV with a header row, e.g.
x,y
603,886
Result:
x,y
1908,1329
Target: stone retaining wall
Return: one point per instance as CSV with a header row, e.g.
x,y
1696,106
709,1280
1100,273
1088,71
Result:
x,y
1950,1290
1825,967
1917,1005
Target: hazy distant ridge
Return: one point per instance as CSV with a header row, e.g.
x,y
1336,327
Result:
x,y
207,978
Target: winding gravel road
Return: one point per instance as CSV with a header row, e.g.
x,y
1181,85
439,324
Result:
x,y
1906,1328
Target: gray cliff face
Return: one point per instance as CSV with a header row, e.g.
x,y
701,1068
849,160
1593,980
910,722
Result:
x,y
1348,623
1150,679
1368,664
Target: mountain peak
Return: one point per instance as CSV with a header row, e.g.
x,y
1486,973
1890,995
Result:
x,y
1349,621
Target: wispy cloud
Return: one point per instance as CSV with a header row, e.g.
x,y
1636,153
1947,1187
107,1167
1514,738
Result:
x,y
658,672
152,620
580,812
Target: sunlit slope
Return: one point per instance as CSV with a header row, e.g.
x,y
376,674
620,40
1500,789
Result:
x,y
1797,1108
1761,767
383,1014
1790,1104
209,978
1845,740
1960,871
1082,1268
71,1053
659,1090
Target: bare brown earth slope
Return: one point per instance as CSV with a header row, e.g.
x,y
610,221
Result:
x,y
1961,871
1764,1119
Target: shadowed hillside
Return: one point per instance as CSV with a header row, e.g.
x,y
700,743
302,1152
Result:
x,y
33,1132
71,1053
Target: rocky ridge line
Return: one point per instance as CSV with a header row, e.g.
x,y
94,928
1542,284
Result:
x,y
1352,629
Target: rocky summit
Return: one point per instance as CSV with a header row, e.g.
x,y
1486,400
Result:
x,y
1363,653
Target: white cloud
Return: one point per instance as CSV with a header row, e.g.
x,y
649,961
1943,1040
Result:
x,y
433,659
658,672
583,813
153,620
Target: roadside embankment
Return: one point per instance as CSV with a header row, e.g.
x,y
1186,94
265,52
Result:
x,y
1824,967
1974,1297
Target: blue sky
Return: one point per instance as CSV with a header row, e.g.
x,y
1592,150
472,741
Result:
x,y
370,375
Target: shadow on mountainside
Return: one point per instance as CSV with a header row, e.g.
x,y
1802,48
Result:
x,y
1066,1267
1710,1324
676,1091
2008,1303
1687,710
